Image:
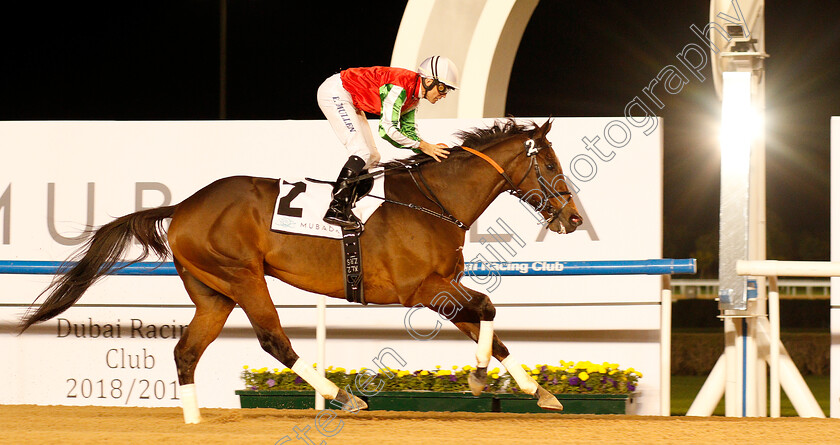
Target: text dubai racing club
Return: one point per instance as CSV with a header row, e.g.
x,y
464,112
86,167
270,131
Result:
x,y
521,267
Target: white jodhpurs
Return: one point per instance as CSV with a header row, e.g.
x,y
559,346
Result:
x,y
348,123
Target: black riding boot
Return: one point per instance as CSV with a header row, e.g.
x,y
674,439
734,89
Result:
x,y
339,212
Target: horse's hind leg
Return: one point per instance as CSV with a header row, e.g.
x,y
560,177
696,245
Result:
x,y
211,311
255,300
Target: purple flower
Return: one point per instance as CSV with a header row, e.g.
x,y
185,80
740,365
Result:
x,y
631,387
452,378
270,383
253,387
574,381
554,381
298,381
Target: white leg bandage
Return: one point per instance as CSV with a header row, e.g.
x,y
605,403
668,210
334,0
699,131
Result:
x,y
525,381
189,401
485,344
324,387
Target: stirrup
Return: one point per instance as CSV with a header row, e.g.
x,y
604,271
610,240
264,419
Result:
x,y
339,218
349,224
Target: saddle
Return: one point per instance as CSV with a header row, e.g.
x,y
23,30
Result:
x,y
299,208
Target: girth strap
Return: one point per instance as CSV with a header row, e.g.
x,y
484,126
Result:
x,y
351,250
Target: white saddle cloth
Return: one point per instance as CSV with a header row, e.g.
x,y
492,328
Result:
x,y
301,205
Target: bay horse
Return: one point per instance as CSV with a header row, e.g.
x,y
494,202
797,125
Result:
x,y
222,248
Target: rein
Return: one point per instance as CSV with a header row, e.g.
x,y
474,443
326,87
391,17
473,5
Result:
x,y
428,193
531,150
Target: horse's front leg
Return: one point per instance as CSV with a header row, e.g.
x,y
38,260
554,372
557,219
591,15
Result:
x,y
476,320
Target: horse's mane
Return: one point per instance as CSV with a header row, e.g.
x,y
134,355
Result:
x,y
476,138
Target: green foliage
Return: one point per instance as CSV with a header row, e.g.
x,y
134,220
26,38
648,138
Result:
x,y
584,377
581,377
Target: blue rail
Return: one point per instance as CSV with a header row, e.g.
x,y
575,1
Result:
x,y
606,267
518,268
55,267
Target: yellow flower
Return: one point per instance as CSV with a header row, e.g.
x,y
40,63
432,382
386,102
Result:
x,y
245,367
583,376
535,372
276,370
494,376
467,368
424,372
444,372
495,370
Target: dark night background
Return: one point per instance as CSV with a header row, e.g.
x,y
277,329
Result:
x,y
160,61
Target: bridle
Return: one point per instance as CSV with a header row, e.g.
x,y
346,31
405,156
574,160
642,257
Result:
x,y
531,151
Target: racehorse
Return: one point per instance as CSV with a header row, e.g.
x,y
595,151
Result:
x,y
222,248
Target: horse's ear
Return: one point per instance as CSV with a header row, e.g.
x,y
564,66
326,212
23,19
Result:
x,y
543,130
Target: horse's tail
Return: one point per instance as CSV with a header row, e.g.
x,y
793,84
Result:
x,y
100,255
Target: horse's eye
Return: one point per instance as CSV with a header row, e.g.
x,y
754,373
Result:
x,y
550,166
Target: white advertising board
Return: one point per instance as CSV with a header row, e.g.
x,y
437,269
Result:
x,y
835,256
115,346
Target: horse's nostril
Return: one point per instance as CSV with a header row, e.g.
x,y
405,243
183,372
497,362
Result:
x,y
575,220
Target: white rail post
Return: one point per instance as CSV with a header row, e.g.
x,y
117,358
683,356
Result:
x,y
783,371
665,348
321,339
775,341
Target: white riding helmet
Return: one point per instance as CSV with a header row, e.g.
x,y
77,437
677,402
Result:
x,y
441,69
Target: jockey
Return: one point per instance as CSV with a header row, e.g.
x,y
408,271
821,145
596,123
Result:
x,y
391,93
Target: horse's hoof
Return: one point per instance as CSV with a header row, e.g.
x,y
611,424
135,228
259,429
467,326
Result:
x,y
349,402
547,400
477,380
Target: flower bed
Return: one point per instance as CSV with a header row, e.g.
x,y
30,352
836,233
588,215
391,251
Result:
x,y
568,378
582,387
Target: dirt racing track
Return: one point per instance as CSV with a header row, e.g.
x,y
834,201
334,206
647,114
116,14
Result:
x,y
27,424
